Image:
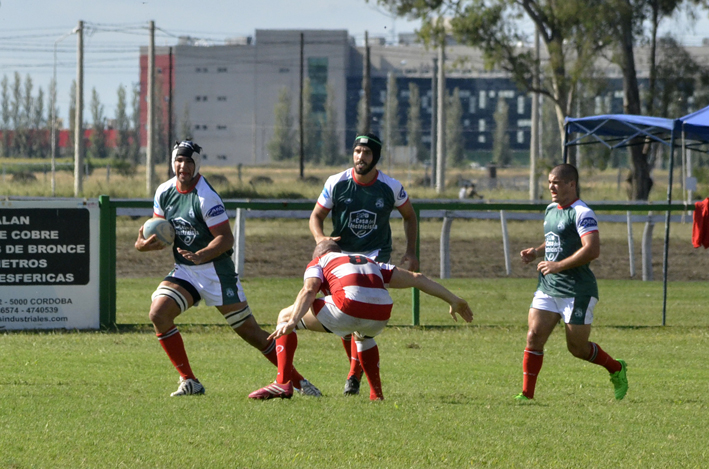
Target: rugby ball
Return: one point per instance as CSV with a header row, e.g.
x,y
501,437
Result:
x,y
160,227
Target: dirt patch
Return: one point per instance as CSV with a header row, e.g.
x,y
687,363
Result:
x,y
285,255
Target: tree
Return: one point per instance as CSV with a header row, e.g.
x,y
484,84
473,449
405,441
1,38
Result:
x,y
122,148
5,116
501,141
454,130
185,124
310,125
53,112
134,151
331,152
161,144
362,115
39,142
414,133
16,115
99,149
280,147
390,127
24,139
570,30
72,118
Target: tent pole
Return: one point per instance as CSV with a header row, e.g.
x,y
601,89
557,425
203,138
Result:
x,y
667,231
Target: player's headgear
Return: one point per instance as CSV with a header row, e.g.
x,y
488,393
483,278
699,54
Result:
x,y
371,141
189,149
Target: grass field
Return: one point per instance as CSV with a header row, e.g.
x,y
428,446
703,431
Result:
x,y
101,399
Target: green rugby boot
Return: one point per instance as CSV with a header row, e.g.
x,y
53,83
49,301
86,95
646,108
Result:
x,y
522,398
620,381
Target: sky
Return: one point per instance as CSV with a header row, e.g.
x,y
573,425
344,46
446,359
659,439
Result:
x,y
115,29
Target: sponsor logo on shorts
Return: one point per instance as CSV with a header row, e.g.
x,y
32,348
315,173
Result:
x,y
229,292
216,211
279,349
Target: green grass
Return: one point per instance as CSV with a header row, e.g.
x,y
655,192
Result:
x,y
101,399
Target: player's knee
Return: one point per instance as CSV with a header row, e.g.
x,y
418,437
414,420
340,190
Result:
x,y
578,350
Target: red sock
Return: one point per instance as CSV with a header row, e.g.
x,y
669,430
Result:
x,y
599,357
355,365
531,365
370,362
173,345
270,353
285,349
347,343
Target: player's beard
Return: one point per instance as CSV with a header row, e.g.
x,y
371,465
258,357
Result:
x,y
365,170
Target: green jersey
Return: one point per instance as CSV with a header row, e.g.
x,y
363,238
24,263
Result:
x,y
192,214
360,213
563,229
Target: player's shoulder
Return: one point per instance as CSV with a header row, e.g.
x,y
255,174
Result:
x,y
167,186
581,209
389,181
339,177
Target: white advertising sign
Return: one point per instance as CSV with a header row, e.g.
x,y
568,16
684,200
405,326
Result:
x,y
49,264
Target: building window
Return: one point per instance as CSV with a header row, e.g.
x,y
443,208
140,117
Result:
x,y
201,70
221,127
283,70
221,157
520,105
520,136
221,98
482,100
317,72
221,70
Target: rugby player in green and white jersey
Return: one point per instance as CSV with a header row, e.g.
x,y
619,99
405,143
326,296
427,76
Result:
x,y
361,200
567,288
203,267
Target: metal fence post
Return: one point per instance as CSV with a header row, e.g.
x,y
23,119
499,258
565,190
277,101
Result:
x,y
445,248
505,242
239,240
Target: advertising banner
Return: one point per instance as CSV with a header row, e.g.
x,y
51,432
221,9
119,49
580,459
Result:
x,y
49,264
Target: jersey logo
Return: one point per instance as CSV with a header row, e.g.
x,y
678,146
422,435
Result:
x,y
362,222
561,226
552,248
379,203
184,230
347,201
402,193
216,211
588,223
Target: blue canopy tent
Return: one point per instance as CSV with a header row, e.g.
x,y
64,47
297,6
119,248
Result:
x,y
624,130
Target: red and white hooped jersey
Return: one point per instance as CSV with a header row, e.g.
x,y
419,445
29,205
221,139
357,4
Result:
x,y
355,283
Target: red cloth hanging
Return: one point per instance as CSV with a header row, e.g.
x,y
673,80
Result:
x,y
700,225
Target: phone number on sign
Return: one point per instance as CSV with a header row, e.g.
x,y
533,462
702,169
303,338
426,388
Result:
x,y
31,309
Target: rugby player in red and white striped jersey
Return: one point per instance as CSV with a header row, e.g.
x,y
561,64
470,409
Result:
x,y
357,302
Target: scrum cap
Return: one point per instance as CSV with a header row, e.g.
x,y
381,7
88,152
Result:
x,y
189,149
372,142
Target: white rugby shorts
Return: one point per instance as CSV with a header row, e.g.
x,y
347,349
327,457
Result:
x,y
215,289
574,310
343,324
